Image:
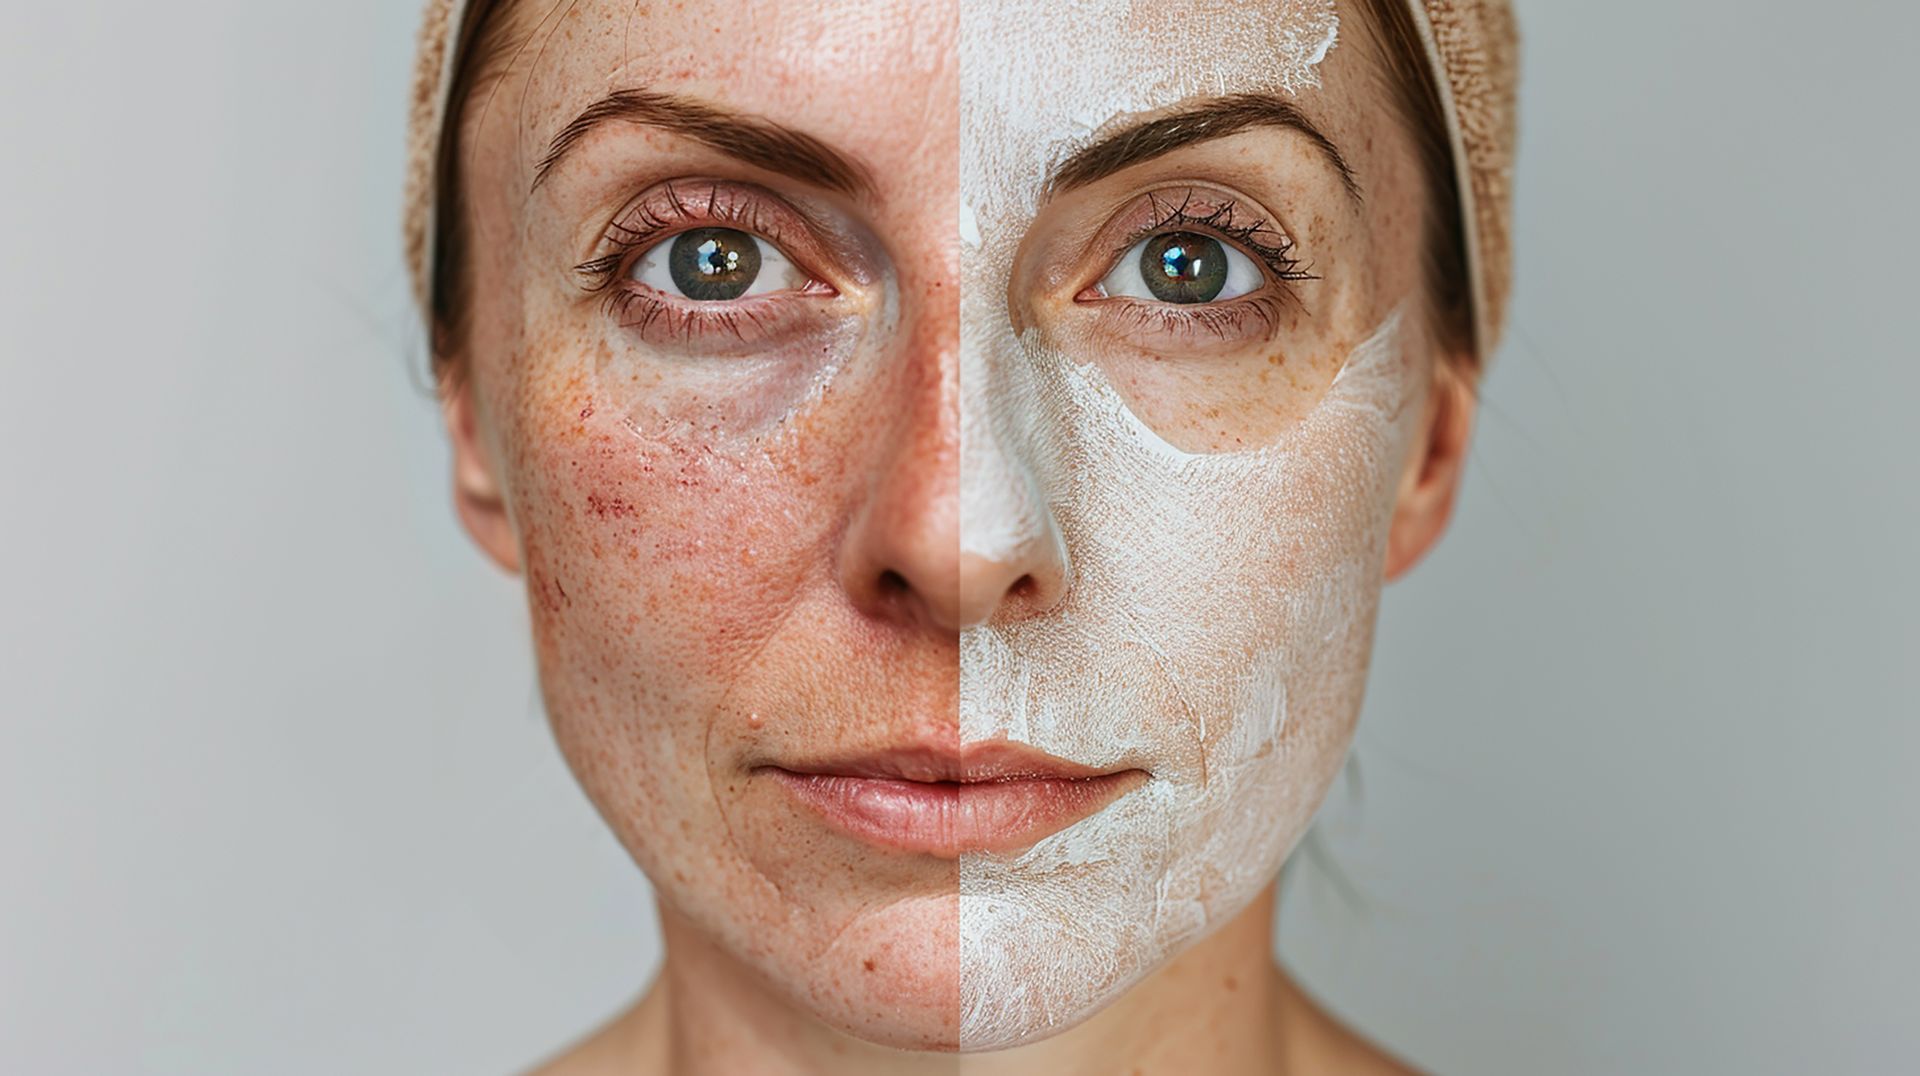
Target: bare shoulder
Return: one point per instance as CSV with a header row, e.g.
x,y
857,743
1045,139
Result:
x,y
1317,1042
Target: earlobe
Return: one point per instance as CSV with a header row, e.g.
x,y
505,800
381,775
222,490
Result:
x,y
477,492
1431,480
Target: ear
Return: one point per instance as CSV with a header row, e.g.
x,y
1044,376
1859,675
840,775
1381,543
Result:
x,y
477,491
1431,478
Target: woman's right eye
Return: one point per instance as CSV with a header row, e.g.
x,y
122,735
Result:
x,y
716,265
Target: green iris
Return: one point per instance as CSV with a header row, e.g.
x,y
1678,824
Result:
x,y
714,264
1183,267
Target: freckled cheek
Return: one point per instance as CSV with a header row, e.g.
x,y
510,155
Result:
x,y
649,558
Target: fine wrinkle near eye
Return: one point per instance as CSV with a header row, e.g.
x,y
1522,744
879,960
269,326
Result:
x,y
1183,268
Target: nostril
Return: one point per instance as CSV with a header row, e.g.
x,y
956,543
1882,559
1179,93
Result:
x,y
1023,587
892,583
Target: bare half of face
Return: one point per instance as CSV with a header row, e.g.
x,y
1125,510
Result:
x,y
706,342
956,623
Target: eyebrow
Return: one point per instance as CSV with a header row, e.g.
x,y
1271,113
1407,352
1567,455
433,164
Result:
x,y
759,142
1217,118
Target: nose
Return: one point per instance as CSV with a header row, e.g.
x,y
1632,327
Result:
x,y
955,531
1010,586
1013,558
900,561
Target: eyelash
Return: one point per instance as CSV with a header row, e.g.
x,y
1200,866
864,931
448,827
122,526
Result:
x,y
1273,248
1226,320
656,220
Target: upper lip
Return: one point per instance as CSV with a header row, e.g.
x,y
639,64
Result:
x,y
975,763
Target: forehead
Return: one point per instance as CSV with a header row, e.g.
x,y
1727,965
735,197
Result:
x,y
858,74
1034,86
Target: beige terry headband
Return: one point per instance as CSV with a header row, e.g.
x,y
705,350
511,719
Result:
x,y
1472,43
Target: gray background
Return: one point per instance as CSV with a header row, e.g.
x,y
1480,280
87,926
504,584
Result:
x,y
275,794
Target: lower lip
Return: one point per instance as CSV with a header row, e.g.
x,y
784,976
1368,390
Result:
x,y
946,818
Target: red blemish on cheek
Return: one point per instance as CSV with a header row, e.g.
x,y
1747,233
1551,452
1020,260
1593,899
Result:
x,y
606,506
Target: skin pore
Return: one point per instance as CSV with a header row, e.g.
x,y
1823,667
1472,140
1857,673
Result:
x,y
745,532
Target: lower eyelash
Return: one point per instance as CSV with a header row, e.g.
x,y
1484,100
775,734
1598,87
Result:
x,y
1224,321
634,308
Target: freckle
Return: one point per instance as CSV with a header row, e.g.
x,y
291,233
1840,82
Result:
x,y
1232,984
867,964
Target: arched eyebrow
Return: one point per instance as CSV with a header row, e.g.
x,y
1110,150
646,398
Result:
x,y
1217,118
759,142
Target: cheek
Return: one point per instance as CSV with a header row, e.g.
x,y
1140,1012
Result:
x,y
657,571
657,567
1248,587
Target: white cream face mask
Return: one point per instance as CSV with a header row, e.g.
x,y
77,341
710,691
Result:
x,y
1219,609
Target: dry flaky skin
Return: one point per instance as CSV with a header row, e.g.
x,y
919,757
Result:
x,y
1216,634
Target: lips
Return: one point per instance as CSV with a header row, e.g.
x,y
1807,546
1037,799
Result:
x,y
992,797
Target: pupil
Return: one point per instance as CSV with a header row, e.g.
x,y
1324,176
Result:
x,y
714,264
1184,267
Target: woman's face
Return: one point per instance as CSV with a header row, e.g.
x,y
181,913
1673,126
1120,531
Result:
x,y
954,622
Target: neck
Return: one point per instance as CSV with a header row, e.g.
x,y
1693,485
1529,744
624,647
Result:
x,y
1218,1008
1211,1009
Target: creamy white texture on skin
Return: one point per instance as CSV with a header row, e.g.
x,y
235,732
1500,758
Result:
x,y
1219,609
1028,99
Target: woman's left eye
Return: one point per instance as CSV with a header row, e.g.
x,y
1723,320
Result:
x,y
716,265
1182,267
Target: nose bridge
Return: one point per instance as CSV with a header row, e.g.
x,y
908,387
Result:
x,y
899,561
1013,559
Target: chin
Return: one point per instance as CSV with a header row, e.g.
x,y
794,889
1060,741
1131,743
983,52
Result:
x,y
892,977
